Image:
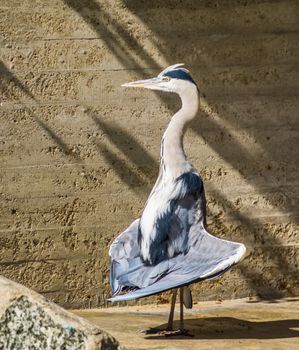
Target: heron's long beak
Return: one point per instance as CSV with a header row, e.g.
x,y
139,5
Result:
x,y
146,84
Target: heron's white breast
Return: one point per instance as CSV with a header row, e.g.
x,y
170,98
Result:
x,y
157,205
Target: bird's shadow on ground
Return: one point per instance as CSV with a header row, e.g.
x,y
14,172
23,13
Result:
x,y
234,328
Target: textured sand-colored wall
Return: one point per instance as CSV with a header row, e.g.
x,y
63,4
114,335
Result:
x,y
79,154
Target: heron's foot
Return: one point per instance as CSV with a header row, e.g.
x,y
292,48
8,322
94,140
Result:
x,y
178,333
153,331
168,332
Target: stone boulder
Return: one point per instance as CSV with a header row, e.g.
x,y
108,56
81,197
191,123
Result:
x,y
28,321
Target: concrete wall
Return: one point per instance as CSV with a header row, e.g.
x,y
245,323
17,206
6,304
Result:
x,y
79,154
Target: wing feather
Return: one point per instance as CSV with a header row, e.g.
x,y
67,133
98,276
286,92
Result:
x,y
207,258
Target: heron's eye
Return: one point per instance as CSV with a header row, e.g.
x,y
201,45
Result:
x,y
165,78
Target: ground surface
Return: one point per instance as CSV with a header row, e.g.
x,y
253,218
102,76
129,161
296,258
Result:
x,y
238,324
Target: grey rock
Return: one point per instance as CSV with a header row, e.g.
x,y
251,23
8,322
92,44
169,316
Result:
x,y
29,322
25,325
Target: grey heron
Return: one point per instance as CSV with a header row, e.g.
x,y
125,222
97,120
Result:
x,y
169,246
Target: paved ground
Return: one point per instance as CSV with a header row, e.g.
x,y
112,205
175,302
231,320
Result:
x,y
237,324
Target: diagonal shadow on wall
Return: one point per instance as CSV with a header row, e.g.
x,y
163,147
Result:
x,y
8,80
259,279
118,40
139,180
127,144
235,154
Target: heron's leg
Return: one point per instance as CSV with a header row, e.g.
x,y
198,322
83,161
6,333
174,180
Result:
x,y
169,327
169,332
181,331
171,313
181,309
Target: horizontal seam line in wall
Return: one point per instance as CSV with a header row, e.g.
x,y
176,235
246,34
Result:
x,y
31,260
161,35
96,194
229,98
52,228
99,165
96,226
57,166
184,35
210,67
255,6
224,6
238,97
264,190
49,260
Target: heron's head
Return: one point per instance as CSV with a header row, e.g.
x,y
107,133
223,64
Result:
x,y
172,79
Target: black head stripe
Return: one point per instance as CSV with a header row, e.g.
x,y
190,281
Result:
x,y
180,74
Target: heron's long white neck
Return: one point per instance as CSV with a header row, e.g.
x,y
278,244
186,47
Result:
x,y
173,157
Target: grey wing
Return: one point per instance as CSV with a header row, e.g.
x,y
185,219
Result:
x,y
123,254
207,258
126,267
